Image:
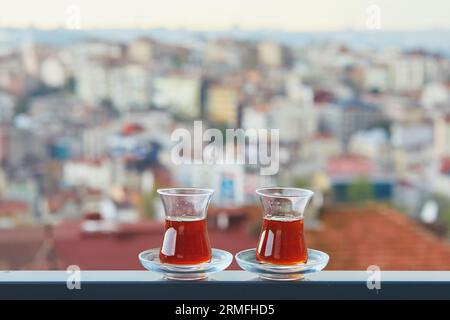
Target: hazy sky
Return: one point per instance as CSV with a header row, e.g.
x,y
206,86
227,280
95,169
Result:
x,y
299,15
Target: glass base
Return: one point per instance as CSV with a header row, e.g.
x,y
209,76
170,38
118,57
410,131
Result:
x,y
220,260
317,260
185,277
282,277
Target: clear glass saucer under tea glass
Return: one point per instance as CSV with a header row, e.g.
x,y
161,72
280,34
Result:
x,y
220,260
317,261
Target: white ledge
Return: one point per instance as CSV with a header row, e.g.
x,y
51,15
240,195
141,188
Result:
x,y
225,276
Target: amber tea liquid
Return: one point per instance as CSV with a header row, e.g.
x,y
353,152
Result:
x,y
185,241
282,241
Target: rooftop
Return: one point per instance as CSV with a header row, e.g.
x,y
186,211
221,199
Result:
x,y
354,237
357,238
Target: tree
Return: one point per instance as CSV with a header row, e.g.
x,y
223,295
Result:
x,y
360,191
146,204
301,182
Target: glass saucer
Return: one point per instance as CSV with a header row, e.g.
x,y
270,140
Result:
x,y
317,260
220,260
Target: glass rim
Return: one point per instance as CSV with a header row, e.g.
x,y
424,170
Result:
x,y
301,193
184,192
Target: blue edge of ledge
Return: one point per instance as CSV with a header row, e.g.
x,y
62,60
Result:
x,y
226,285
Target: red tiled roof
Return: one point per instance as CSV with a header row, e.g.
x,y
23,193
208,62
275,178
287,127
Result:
x,y
354,239
213,212
13,207
323,96
357,238
18,247
131,128
445,165
349,164
119,251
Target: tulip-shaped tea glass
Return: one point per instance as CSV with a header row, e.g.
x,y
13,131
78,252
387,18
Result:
x,y
282,241
186,240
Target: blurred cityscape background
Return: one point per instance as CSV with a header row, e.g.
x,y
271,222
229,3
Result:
x,y
86,118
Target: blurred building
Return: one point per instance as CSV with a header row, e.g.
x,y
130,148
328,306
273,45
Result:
x,y
177,94
347,117
130,87
321,147
435,95
96,175
226,179
407,73
412,147
255,117
223,104
273,55
20,149
231,53
441,137
376,78
12,75
141,50
92,81
7,107
372,143
95,140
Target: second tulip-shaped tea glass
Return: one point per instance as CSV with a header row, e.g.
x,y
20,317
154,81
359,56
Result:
x,y
186,239
282,239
